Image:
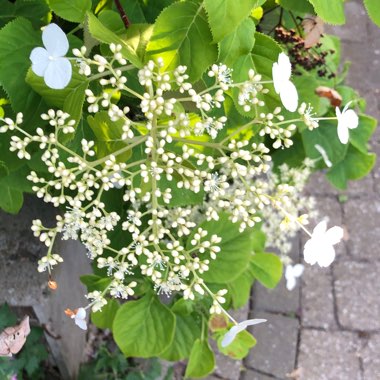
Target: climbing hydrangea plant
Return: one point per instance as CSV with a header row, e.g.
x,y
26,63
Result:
x,y
177,152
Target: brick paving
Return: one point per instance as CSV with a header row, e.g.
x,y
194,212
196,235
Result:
x,y
328,328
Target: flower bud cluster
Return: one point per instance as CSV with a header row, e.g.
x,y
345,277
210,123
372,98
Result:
x,y
153,157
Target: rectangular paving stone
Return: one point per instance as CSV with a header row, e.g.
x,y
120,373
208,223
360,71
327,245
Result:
x,y
328,356
376,170
249,374
363,187
317,298
362,221
21,284
279,299
371,358
357,289
319,185
275,352
359,54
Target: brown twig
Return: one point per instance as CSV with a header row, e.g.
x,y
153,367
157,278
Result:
x,y
122,13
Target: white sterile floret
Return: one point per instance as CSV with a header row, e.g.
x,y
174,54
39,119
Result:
x,y
80,318
292,272
233,331
320,247
281,72
347,119
324,155
50,62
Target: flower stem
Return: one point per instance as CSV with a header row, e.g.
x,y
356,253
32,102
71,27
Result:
x,y
122,13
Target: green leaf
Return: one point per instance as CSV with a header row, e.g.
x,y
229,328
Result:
x,y
240,346
133,8
259,238
144,328
329,11
235,250
373,10
293,156
71,10
265,52
240,289
34,10
12,187
103,34
138,36
108,136
11,200
181,36
70,99
326,136
180,197
301,6
355,165
237,43
201,361
152,8
306,85
104,319
17,39
7,317
360,136
267,268
93,282
186,332
225,15
112,21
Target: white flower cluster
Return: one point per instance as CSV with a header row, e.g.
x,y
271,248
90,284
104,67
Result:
x,y
177,150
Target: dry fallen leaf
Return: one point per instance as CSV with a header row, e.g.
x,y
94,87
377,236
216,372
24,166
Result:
x,y
331,94
296,374
313,27
13,338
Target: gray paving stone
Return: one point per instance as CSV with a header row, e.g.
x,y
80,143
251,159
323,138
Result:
x,y
376,170
21,284
362,221
249,374
371,358
319,185
279,299
328,356
357,290
363,187
276,348
359,54
317,298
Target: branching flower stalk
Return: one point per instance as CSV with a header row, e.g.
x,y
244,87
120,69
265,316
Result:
x,y
171,148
